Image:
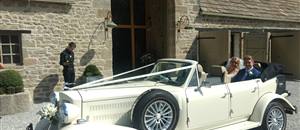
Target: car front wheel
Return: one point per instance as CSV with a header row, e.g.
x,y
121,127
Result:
x,y
274,117
157,110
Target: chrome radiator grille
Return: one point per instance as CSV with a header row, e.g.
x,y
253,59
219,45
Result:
x,y
116,111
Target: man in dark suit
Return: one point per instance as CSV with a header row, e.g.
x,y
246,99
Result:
x,y
249,72
67,61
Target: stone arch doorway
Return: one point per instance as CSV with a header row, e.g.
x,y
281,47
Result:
x,y
144,26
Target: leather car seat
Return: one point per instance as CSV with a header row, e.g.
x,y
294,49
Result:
x,y
201,73
220,71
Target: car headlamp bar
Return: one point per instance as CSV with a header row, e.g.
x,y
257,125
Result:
x,y
131,78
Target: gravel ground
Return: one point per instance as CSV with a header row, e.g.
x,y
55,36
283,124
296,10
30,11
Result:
x,y
19,121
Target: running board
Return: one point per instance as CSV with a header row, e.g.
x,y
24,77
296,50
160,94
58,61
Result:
x,y
241,126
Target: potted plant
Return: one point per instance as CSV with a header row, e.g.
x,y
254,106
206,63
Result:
x,y
92,73
12,94
11,82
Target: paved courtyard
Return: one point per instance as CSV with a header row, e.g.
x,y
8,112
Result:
x,y
293,122
21,120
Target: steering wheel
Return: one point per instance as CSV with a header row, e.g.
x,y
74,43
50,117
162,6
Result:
x,y
165,77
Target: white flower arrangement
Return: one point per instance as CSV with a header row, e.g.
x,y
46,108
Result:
x,y
48,111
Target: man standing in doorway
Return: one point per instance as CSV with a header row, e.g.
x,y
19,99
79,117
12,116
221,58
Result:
x,y
67,61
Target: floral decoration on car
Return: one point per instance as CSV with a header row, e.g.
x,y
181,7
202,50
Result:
x,y
48,112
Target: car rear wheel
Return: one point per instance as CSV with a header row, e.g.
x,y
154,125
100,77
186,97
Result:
x,y
274,117
157,110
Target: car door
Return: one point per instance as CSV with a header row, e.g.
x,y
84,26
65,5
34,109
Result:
x,y
208,106
244,96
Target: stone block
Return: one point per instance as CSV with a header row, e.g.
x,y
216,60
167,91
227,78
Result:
x,y
181,9
104,4
196,8
15,103
30,61
179,2
102,13
55,1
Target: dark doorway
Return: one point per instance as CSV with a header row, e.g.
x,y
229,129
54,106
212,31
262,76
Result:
x,y
129,38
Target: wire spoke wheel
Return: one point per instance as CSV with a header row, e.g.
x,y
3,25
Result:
x,y
158,115
275,119
156,110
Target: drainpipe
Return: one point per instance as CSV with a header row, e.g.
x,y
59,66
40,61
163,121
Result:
x,y
198,46
269,46
242,44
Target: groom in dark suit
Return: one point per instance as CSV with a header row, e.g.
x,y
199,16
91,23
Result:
x,y
249,72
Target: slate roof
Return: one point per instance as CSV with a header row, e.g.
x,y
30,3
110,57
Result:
x,y
278,10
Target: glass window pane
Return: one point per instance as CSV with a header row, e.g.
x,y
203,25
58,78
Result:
x,y
121,50
140,46
4,39
120,10
7,59
139,12
6,49
194,80
14,39
16,59
15,49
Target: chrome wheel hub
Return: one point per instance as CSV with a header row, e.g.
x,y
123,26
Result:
x,y
275,119
158,115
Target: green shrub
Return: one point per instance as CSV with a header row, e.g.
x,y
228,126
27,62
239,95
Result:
x,y
2,90
11,82
92,70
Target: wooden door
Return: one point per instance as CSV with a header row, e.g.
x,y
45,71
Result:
x,y
129,37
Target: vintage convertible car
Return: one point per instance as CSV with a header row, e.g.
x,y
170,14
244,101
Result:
x,y
176,94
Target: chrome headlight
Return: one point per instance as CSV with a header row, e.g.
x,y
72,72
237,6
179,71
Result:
x,y
54,97
69,112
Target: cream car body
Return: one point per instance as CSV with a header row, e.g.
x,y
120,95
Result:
x,y
201,105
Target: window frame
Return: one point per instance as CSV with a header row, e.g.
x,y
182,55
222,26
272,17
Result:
x,y
194,76
10,44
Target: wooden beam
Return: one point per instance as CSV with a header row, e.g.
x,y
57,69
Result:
x,y
15,31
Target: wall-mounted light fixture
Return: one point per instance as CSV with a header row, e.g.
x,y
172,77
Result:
x,y
103,25
108,23
182,23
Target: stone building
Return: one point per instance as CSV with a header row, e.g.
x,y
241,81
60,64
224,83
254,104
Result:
x,y
34,32
267,30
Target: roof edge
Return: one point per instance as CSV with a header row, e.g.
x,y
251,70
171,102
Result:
x,y
200,27
247,17
245,29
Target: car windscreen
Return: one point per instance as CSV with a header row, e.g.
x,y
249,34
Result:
x,y
177,76
166,72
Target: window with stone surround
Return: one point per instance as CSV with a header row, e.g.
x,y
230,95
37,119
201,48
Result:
x,y
10,48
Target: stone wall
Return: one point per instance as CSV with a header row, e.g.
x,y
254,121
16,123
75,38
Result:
x,y
53,26
186,41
